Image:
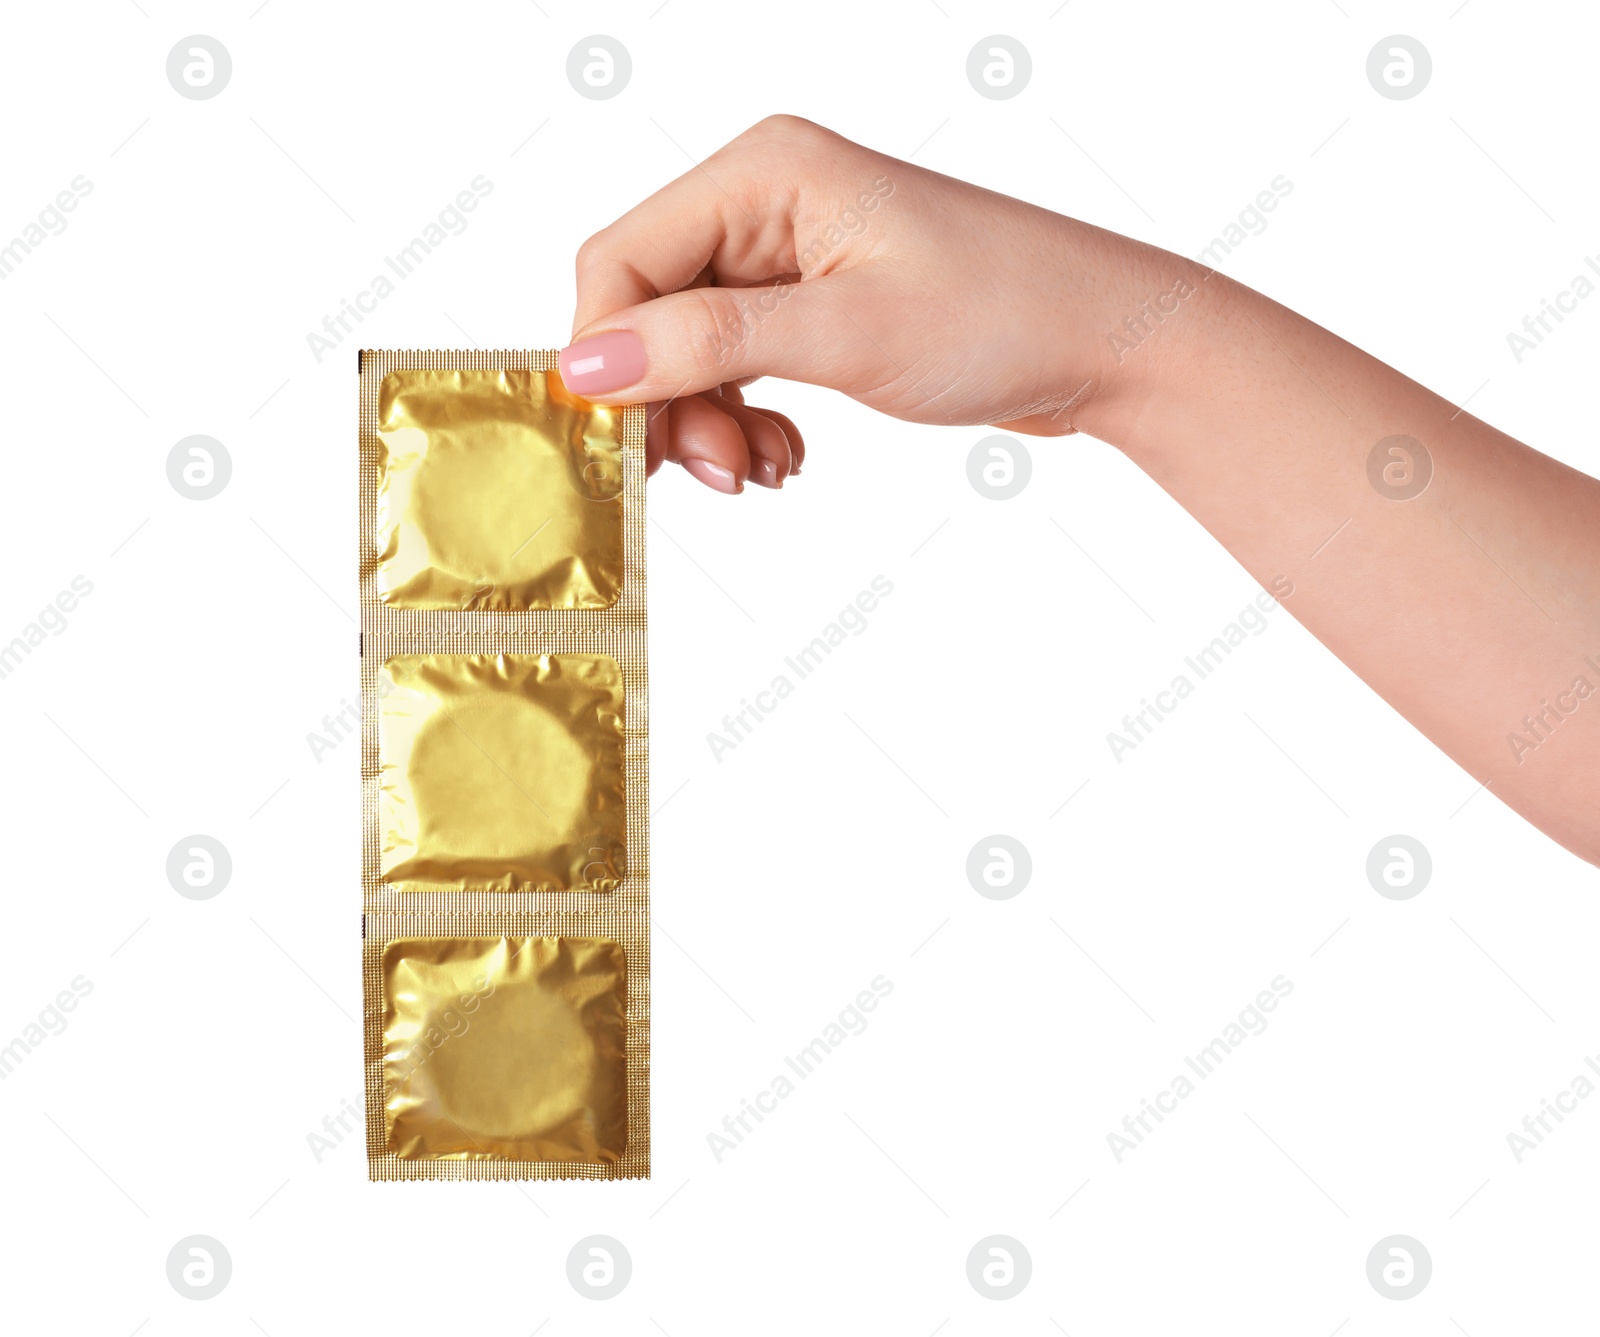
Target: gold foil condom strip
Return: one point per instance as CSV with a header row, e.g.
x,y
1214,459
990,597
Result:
x,y
415,910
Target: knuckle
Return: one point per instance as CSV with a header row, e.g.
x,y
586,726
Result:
x,y
783,137
791,149
593,251
710,328
783,125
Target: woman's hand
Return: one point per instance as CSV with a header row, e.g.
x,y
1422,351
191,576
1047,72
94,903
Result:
x,y
793,252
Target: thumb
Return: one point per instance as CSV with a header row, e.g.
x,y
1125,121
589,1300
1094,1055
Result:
x,y
700,338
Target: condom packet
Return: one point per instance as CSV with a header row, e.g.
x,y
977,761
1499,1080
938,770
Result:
x,y
504,772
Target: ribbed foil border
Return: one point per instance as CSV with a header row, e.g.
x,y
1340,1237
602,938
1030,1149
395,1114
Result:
x,y
416,910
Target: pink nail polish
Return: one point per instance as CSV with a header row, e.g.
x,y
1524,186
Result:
x,y
603,363
765,473
714,476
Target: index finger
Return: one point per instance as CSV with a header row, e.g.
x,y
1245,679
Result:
x,y
732,215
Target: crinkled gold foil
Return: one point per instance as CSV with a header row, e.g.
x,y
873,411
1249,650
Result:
x,y
505,774
497,489
507,1047
502,772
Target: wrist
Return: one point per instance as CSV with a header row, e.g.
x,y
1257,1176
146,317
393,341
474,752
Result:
x,y
1157,326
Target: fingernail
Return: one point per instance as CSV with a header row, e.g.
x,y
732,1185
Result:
x,y
603,362
714,476
765,472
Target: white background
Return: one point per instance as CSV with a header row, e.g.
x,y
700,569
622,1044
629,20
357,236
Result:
x,y
826,849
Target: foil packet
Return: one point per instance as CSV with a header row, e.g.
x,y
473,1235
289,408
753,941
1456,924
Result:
x,y
504,772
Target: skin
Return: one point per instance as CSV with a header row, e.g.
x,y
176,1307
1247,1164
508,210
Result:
x,y
792,252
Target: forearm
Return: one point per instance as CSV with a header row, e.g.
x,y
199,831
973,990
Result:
x,y
1472,607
